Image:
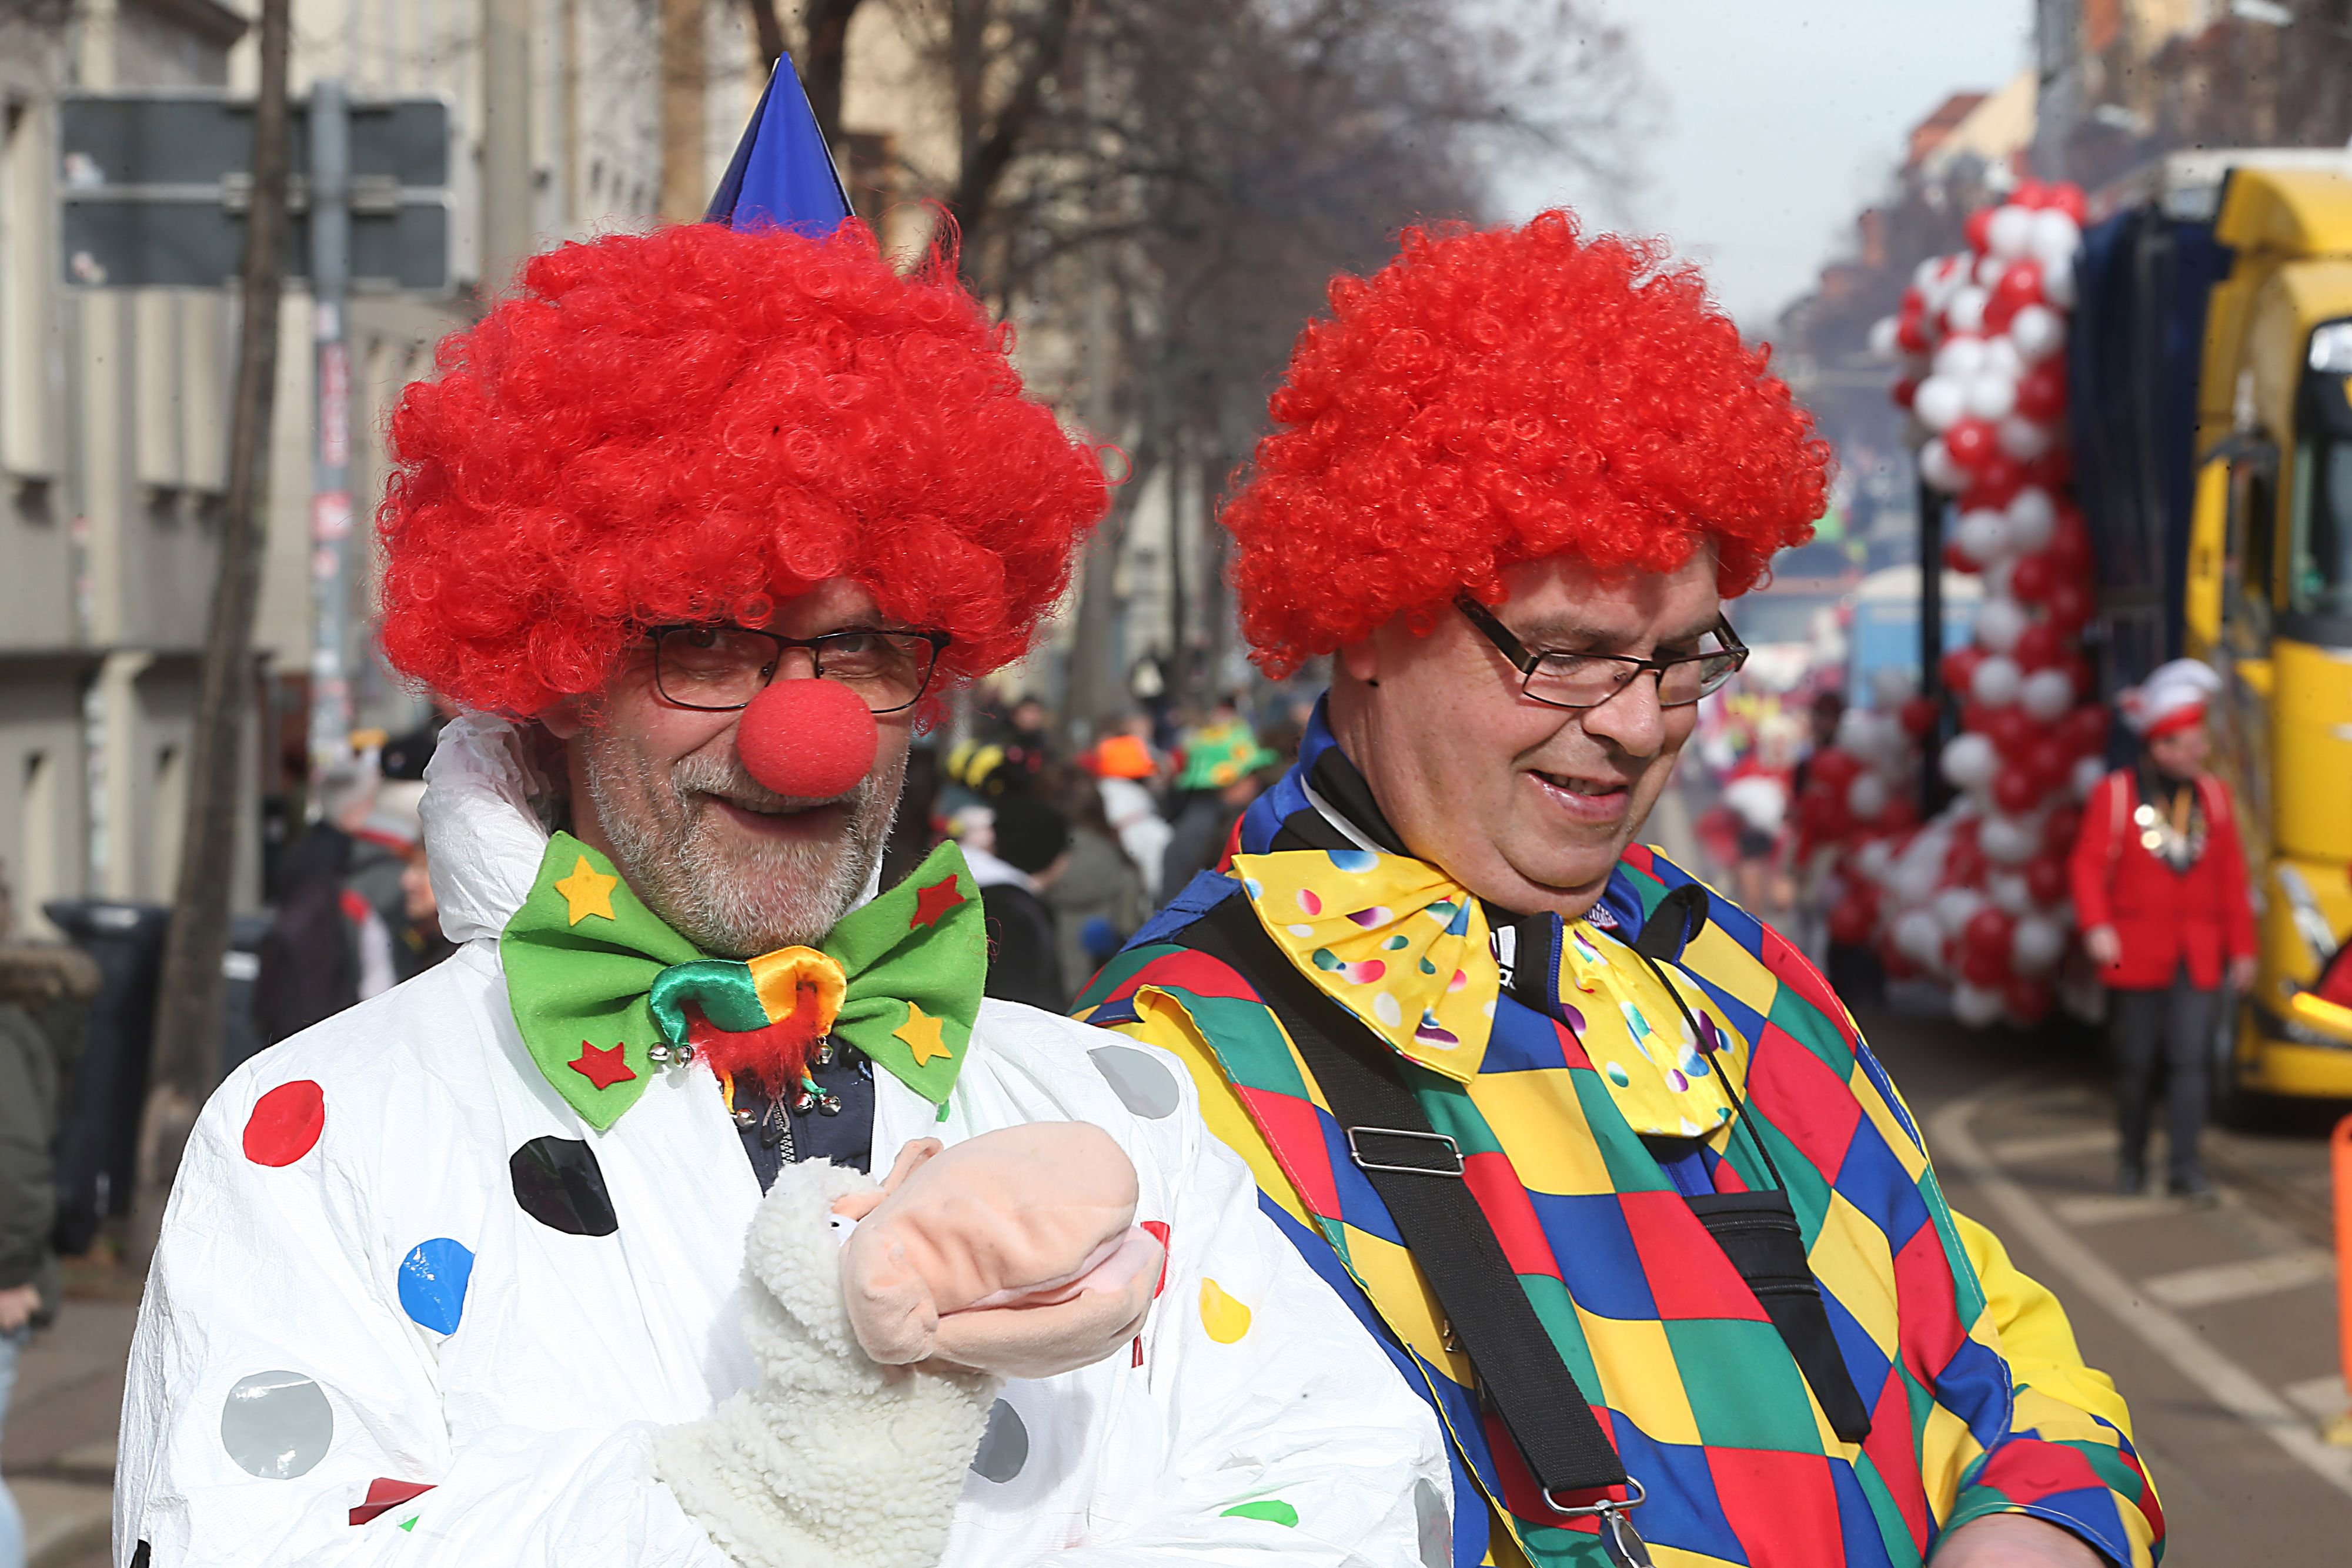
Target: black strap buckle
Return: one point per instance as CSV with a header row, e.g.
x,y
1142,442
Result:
x,y
1452,1151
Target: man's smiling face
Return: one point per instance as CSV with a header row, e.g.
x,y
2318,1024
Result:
x,y
731,866
1525,804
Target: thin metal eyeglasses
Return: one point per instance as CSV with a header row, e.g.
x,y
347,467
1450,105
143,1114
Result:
x,y
1587,680
718,667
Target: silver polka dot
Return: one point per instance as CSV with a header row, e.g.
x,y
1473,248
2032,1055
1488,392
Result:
x,y
1142,1082
277,1424
1436,1529
1003,1448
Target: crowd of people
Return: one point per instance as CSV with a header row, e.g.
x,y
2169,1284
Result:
x,y
1073,850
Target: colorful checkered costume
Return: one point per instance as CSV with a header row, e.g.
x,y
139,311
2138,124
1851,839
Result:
x,y
1585,1123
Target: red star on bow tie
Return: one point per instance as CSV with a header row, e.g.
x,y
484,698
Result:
x,y
602,1065
932,901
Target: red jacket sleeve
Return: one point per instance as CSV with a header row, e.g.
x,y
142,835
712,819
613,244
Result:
x,y
2237,904
2094,855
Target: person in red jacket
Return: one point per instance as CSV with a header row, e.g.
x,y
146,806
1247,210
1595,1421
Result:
x,y
2159,884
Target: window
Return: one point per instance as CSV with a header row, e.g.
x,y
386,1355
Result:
x,y
2246,573
2320,580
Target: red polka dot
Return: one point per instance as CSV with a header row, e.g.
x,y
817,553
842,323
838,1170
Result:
x,y
285,1123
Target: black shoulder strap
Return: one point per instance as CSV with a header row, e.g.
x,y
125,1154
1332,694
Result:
x,y
1418,1172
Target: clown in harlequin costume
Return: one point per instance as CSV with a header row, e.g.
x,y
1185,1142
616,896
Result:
x,y
2159,885
1600,1156
481,1271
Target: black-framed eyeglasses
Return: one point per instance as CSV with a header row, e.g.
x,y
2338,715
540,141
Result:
x,y
717,667
1587,680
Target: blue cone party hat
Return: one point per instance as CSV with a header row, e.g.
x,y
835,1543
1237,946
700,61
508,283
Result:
x,y
781,174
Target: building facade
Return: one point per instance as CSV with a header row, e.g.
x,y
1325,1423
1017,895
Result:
x,y
569,119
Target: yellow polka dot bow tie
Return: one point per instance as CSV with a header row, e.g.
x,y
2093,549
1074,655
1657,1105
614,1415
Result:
x,y
1400,945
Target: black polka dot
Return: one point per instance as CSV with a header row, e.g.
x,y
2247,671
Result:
x,y
557,1183
140,1558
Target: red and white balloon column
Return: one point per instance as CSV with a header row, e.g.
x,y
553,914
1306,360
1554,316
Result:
x,y
1977,897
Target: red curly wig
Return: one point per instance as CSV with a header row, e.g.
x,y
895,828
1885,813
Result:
x,y
694,424
1494,396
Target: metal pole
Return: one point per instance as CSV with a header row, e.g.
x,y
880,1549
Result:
x,y
1932,790
1096,684
330,503
508,220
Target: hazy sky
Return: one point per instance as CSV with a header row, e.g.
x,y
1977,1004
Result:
x,y
1780,118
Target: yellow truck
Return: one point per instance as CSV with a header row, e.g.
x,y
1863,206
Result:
x,y
2210,381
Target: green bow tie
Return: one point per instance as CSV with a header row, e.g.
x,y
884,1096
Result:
x,y
602,989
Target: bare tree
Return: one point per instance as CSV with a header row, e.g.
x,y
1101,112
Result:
x,y
1215,162
998,59
186,1051
823,55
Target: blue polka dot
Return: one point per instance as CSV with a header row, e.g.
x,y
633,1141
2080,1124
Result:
x,y
432,1283
1353,861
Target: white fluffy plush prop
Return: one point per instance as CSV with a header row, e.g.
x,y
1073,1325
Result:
x,y
832,1461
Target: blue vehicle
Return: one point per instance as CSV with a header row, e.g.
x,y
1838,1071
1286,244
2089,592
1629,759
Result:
x,y
1885,634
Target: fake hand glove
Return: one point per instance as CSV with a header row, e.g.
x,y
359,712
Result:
x,y
884,1318
1016,1253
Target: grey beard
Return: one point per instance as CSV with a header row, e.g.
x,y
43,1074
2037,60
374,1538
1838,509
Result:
x,y
732,902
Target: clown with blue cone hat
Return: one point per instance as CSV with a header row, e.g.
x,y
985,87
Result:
x,y
506,1266
781,174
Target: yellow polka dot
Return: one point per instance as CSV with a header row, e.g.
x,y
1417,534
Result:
x,y
1225,1319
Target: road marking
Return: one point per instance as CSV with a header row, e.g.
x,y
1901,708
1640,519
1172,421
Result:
x,y
2107,1207
2323,1397
2231,1387
2053,1146
2248,1277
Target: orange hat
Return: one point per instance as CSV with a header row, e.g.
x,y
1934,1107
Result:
x,y
1120,757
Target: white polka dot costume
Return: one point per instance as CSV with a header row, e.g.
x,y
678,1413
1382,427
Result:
x,y
410,1309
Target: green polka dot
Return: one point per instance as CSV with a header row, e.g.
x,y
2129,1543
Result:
x,y
1618,1076
1274,1510
1394,942
1325,959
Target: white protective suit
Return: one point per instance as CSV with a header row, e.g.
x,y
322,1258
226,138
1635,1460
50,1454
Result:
x,y
350,1302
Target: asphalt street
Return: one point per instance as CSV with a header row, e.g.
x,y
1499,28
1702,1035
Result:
x,y
2218,1323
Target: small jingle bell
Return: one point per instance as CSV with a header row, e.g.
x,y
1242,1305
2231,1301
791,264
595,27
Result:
x,y
746,1118
825,1053
685,1054
803,1103
828,1104
659,1053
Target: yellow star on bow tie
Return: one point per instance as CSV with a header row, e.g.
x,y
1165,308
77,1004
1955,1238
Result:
x,y
922,1033
587,892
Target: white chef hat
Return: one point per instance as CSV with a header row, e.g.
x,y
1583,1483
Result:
x,y
2172,697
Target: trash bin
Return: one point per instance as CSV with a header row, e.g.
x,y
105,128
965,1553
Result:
x,y
98,1132
97,1151
240,967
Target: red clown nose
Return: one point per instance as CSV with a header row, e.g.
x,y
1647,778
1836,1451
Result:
x,y
808,739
